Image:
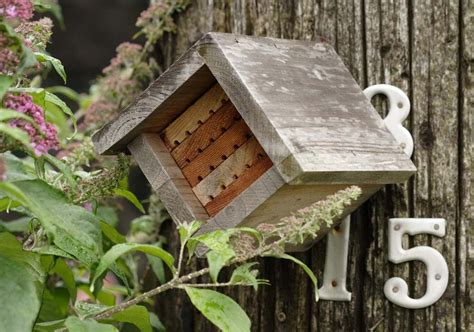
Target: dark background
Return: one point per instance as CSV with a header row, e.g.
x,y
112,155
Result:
x,y
93,29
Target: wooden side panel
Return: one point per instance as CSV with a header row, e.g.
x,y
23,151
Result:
x,y
194,117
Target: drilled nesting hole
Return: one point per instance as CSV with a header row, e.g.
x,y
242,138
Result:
x,y
215,149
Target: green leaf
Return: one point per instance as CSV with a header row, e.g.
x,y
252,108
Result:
x,y
74,324
186,230
130,197
65,91
243,275
156,323
7,114
111,233
305,268
45,98
42,6
15,133
5,82
71,228
220,309
63,168
21,285
85,309
137,315
17,169
54,304
157,266
55,100
220,252
217,260
66,274
120,249
49,326
18,225
56,63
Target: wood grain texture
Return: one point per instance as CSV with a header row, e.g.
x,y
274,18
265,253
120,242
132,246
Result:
x,y
175,90
235,187
166,178
238,163
194,116
310,98
425,48
215,154
205,135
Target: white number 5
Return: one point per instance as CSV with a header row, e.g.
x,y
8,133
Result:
x,y
396,289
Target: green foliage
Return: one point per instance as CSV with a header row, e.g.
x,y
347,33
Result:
x,y
71,228
220,309
121,249
21,285
136,315
74,324
55,277
57,65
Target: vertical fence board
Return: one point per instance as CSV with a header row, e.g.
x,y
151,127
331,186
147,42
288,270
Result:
x,y
423,47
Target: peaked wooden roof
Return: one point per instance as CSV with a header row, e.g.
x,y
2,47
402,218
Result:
x,y
297,97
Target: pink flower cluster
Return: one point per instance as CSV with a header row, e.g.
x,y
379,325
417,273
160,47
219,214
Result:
x,y
41,140
16,9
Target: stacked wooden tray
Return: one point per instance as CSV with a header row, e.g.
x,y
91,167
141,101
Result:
x,y
215,149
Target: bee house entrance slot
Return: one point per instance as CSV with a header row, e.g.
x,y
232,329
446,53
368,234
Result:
x,y
215,149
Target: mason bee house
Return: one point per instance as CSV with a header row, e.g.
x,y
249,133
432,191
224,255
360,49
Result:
x,y
244,130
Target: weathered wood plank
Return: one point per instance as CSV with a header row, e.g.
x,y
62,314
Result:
x,y
465,231
215,154
193,117
238,185
238,163
435,105
396,35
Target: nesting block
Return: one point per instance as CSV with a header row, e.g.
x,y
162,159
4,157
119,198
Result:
x,y
245,130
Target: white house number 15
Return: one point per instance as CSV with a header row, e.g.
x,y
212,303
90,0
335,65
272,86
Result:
x,y
395,289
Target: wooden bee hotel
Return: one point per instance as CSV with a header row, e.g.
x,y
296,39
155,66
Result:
x,y
244,130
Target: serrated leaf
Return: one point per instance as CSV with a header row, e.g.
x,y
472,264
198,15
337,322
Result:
x,y
121,249
74,324
130,197
219,309
71,228
21,285
56,63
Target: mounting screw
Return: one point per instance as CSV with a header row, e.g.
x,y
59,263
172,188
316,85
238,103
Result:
x,y
397,227
334,283
395,289
436,226
437,276
281,316
400,105
403,145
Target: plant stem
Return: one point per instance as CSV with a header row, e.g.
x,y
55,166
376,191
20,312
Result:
x,y
160,289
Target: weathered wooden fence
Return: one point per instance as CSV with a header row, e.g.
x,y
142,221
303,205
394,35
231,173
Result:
x,y
425,48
